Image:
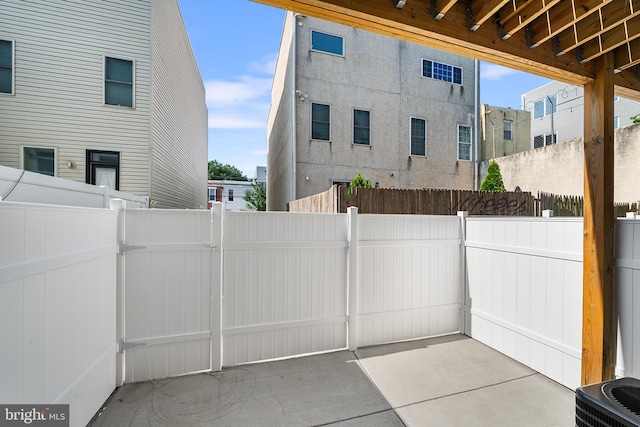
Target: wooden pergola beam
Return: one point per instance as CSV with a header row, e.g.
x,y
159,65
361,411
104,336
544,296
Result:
x,y
598,338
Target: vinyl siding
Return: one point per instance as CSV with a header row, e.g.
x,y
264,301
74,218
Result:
x,y
60,47
179,115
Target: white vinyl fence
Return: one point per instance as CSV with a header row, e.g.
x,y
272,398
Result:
x,y
627,276
524,294
92,298
57,306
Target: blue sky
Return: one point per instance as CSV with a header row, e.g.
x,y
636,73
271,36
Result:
x,y
236,43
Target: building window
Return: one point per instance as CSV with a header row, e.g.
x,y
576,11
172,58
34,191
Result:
x,y
538,109
361,127
212,194
320,122
616,98
507,126
230,195
551,106
543,140
418,137
118,82
464,142
439,71
616,122
103,168
39,160
6,66
322,42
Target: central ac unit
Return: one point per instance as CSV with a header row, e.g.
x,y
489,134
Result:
x,y
609,404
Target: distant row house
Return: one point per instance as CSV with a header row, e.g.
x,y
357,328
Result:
x,y
106,93
345,100
557,113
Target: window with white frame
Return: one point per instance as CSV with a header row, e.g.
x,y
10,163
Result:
x,y
545,107
538,109
6,66
418,137
439,71
320,122
212,194
545,139
327,43
507,126
464,142
230,195
118,82
361,127
39,160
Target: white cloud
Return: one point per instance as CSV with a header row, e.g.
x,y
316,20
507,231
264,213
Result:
x,y
267,66
245,89
495,72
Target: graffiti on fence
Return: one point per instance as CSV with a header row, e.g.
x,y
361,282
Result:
x,y
493,206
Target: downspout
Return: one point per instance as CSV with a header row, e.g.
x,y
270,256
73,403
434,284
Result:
x,y
293,106
476,126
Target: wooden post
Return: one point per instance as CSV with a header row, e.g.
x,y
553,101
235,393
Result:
x,y
598,337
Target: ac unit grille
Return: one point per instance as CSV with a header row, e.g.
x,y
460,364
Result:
x,y
610,404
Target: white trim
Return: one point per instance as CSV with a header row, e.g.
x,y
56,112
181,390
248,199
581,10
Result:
x,y
133,82
13,68
282,325
466,143
453,67
47,147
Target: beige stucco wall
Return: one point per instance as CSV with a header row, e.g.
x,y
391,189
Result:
x,y
492,142
559,168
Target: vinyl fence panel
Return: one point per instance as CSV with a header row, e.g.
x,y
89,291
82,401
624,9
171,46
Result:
x,y
284,284
57,306
627,279
524,293
167,292
409,277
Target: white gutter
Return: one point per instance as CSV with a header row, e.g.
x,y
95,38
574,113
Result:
x,y
293,107
476,125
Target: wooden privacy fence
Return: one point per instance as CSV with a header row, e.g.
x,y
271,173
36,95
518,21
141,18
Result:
x,y
574,205
423,202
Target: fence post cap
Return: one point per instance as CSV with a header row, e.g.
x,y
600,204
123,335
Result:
x,y
547,213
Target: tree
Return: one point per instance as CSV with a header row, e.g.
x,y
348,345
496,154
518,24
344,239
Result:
x,y
493,180
219,171
358,181
256,198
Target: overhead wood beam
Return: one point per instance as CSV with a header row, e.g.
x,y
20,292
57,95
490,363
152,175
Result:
x,y
627,56
441,7
561,17
414,23
524,15
628,30
482,11
598,338
595,24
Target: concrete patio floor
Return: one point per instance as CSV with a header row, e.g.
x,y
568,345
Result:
x,y
444,381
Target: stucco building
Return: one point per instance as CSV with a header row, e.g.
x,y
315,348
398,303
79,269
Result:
x,y
346,100
106,93
503,131
557,112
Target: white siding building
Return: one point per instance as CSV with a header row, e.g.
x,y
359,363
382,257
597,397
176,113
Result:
x,y
557,113
346,100
107,93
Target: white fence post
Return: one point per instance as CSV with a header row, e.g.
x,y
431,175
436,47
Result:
x,y
464,288
352,279
216,286
119,205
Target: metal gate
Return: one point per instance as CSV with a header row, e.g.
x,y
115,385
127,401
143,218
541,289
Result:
x,y
166,274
